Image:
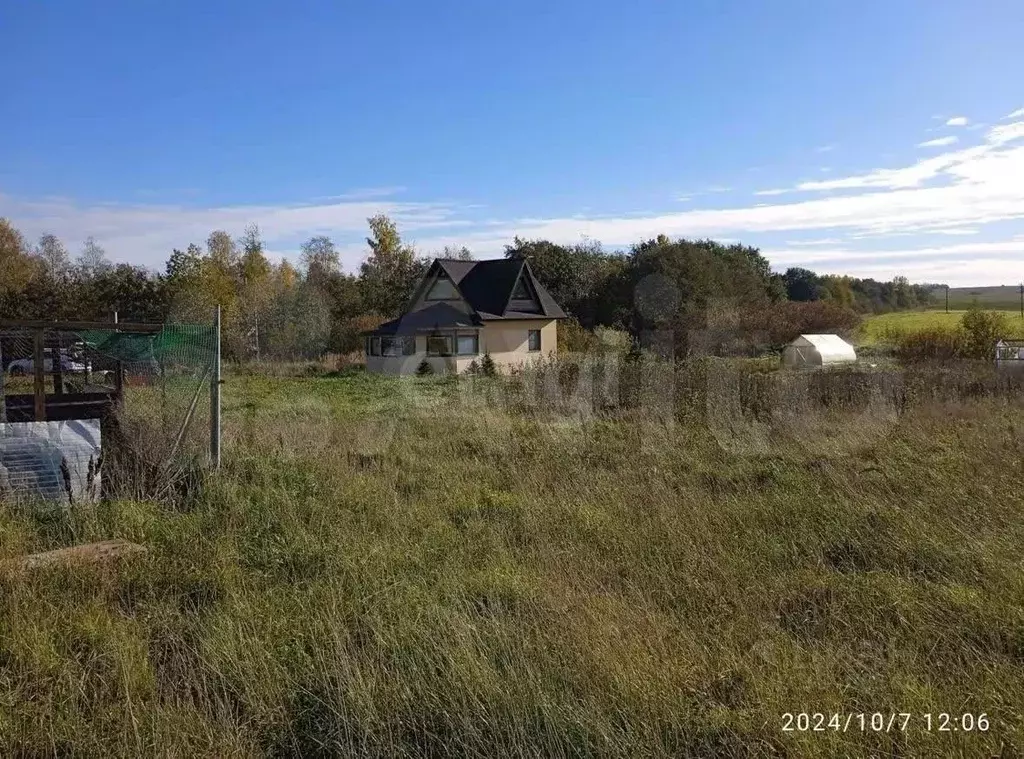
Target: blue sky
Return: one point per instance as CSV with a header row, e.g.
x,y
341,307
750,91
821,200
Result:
x,y
872,138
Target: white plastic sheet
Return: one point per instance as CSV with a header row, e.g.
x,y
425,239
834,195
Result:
x,y
53,461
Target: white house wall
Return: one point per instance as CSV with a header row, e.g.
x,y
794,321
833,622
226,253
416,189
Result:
x,y
506,341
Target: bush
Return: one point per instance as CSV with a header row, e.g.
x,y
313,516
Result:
x,y
473,369
980,331
424,369
574,338
487,366
612,339
933,344
347,335
775,325
781,323
634,354
344,362
974,338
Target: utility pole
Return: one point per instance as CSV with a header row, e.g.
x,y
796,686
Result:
x,y
1022,300
947,299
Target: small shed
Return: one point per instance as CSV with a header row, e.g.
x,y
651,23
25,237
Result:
x,y
1010,355
817,351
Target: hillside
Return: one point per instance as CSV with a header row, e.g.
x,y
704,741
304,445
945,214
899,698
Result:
x,y
996,298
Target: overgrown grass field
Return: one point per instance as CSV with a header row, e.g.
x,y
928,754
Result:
x,y
877,328
992,297
457,577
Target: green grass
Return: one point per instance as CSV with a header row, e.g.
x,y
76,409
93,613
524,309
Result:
x,y
874,329
372,576
996,298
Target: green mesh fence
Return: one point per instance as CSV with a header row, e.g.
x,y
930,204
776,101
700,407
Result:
x,y
178,344
149,385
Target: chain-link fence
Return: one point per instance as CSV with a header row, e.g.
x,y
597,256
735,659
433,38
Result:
x,y
90,409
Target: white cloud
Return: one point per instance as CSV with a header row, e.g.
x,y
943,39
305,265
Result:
x,y
938,142
824,148
956,231
1012,246
1004,133
924,170
957,121
146,234
955,192
1018,114
365,193
962,264
821,241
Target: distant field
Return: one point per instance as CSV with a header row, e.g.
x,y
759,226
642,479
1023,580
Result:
x,y
874,328
1006,297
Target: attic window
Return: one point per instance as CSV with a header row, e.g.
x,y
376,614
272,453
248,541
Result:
x,y
442,289
522,291
523,298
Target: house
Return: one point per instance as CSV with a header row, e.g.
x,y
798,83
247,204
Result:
x,y
817,351
464,309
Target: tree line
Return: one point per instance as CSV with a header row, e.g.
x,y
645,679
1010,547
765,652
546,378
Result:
x,y
285,311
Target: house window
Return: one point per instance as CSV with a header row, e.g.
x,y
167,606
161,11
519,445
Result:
x,y
398,346
439,345
442,289
468,345
533,340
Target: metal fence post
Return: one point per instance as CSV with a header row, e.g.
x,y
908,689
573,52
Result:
x,y
39,372
3,393
215,394
118,375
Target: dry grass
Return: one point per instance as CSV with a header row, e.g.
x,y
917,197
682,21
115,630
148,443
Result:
x,y
374,576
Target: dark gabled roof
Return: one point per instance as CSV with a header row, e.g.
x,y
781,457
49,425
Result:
x,y
438,316
487,286
547,303
484,284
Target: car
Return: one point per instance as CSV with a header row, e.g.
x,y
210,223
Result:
x,y
69,363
